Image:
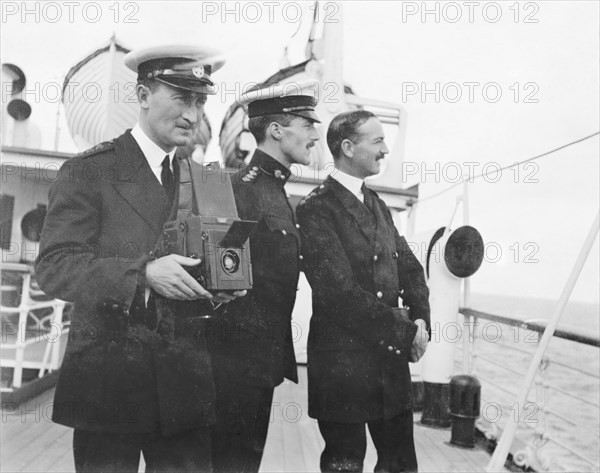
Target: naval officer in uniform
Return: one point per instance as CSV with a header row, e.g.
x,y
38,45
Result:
x,y
134,379
360,343
252,350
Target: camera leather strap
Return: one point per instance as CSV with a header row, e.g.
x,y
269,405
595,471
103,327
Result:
x,y
186,205
201,191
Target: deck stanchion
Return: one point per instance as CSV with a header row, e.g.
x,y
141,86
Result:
x,y
503,447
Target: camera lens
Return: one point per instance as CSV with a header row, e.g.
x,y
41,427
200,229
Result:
x,y
230,261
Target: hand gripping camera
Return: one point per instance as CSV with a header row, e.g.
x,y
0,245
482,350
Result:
x,y
208,228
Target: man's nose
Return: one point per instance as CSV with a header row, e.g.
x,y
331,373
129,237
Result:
x,y
193,113
190,115
385,149
315,134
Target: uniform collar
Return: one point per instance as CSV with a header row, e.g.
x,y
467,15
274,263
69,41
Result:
x,y
352,183
154,154
269,166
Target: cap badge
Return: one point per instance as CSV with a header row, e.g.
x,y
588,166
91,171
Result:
x,y
198,71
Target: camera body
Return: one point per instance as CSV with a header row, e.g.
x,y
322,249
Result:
x,y
209,229
225,261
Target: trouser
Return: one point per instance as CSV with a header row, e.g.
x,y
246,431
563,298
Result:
x,y
346,445
240,433
99,452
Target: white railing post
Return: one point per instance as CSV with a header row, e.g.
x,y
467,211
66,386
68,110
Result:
x,y
467,281
468,344
503,447
20,343
540,399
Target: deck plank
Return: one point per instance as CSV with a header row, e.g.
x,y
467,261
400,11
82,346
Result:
x,y
294,443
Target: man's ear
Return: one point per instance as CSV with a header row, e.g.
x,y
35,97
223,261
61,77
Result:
x,y
347,148
274,130
143,94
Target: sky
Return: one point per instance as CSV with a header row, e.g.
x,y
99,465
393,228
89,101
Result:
x,y
484,85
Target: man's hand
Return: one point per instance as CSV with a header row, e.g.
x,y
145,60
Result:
x,y
225,297
167,277
420,341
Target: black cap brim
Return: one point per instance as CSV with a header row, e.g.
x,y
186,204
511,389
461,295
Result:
x,y
192,86
308,114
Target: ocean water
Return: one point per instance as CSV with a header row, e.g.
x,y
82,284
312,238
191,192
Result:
x,y
579,427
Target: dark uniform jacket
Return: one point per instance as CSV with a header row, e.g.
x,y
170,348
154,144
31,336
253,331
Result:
x,y
105,215
359,343
253,337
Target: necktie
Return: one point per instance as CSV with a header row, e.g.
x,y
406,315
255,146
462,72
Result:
x,y
167,178
369,201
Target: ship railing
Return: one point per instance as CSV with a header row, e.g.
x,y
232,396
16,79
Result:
x,y
40,319
539,416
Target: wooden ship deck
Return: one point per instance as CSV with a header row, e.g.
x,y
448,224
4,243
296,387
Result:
x,y
32,443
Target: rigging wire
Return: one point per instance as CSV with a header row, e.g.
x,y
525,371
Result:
x,y
493,171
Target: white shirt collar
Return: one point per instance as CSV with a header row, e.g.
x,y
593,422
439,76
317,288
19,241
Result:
x,y
352,183
154,154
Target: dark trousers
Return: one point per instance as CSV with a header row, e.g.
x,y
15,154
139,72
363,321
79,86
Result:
x,y
243,415
97,452
346,445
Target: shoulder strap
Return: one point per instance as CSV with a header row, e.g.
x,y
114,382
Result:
x,y
187,203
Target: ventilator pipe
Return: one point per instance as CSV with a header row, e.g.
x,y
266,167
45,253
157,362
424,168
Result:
x,y
13,82
420,243
16,127
452,256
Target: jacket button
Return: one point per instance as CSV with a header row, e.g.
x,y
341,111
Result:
x,y
375,258
298,225
390,348
115,306
283,232
379,294
395,255
300,257
398,352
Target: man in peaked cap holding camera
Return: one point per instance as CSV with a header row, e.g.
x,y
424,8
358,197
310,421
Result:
x,y
133,381
252,349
